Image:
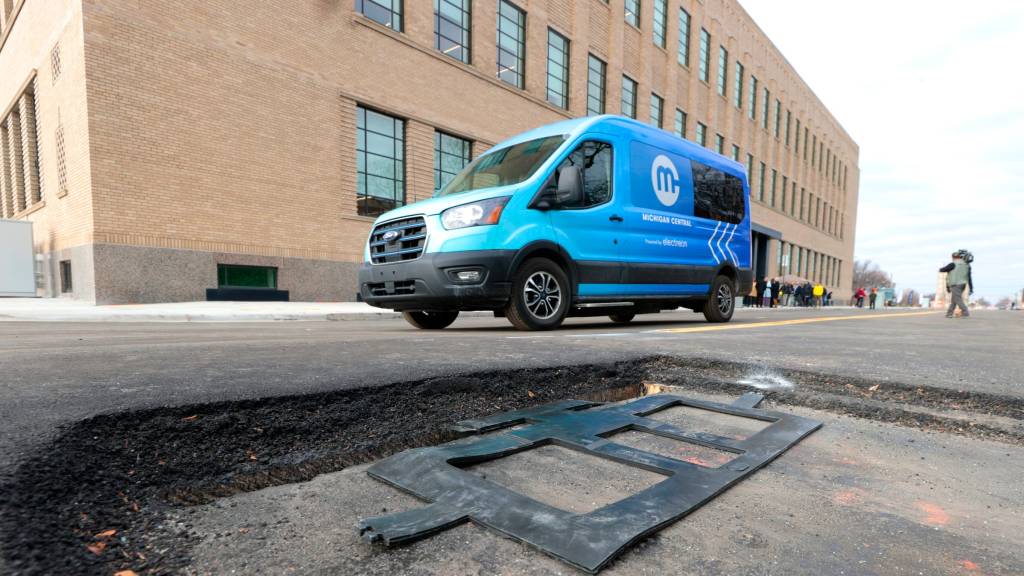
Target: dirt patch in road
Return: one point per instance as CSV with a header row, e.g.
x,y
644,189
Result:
x,y
94,500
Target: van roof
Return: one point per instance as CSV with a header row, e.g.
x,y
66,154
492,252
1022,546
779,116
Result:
x,y
620,125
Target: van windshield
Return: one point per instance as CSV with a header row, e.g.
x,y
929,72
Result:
x,y
507,166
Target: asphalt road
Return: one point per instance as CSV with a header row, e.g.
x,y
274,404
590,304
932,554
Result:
x,y
865,495
55,373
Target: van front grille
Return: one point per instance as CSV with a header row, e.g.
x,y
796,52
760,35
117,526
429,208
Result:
x,y
398,240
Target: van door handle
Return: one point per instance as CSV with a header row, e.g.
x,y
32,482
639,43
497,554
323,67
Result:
x,y
615,218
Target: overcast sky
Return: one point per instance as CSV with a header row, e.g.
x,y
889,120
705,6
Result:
x,y
933,92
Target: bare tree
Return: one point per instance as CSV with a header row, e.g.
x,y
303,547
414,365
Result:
x,y
867,273
982,303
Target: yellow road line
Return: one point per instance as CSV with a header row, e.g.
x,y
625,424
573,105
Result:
x,y
714,327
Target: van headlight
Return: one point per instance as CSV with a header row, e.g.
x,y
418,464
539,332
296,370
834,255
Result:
x,y
482,213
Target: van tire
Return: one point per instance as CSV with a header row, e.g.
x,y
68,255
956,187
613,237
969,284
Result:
x,y
521,313
721,302
431,319
622,317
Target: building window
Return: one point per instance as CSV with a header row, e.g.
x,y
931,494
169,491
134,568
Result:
x,y
657,105
451,155
792,200
628,97
778,116
595,85
735,152
19,155
775,177
683,50
796,146
511,43
558,69
723,70
680,124
453,21
701,134
789,121
633,12
785,186
803,198
380,162
387,12
807,139
705,56
660,22
236,276
814,150
66,286
719,143
752,98
750,168
767,96
737,94
760,182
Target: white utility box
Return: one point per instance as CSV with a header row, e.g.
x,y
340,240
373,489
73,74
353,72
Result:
x,y
17,259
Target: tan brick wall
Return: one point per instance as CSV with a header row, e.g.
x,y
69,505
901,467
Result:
x,y
61,221
229,127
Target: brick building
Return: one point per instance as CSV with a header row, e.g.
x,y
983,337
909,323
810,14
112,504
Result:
x,y
165,147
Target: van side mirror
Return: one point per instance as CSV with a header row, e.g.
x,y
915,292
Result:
x,y
570,186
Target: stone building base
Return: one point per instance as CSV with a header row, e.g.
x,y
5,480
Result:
x,y
118,274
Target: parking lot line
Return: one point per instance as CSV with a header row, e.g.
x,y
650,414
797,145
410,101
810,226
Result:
x,y
713,327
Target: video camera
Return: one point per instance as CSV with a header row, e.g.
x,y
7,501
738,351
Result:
x,y
965,255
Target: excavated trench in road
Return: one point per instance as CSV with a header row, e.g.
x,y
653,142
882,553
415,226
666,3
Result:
x,y
121,472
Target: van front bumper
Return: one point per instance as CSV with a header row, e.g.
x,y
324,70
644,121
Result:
x,y
428,283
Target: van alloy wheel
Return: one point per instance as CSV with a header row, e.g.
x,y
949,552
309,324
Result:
x,y
721,303
542,295
724,299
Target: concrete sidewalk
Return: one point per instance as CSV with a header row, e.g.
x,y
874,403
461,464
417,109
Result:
x,y
66,310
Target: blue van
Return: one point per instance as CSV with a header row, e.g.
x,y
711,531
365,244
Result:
x,y
597,216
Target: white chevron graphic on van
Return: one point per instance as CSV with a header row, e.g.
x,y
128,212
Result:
x,y
712,239
729,248
719,243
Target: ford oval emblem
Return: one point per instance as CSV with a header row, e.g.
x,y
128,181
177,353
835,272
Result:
x,y
390,236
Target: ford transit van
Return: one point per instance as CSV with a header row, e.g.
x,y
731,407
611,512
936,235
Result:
x,y
594,216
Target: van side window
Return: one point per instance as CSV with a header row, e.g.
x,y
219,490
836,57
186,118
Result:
x,y
596,160
717,195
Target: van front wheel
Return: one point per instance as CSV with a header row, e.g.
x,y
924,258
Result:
x,y
431,320
540,296
722,303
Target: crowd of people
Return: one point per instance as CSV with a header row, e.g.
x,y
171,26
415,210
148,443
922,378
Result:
x,y
774,292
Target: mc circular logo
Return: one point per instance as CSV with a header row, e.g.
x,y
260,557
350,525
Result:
x,y
665,180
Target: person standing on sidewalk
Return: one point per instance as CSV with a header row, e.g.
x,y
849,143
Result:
x,y
775,293
958,277
859,297
872,298
819,293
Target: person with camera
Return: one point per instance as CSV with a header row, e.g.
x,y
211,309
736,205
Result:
x,y
958,277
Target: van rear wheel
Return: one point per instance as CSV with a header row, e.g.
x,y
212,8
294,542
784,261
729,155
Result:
x,y
431,319
540,296
722,303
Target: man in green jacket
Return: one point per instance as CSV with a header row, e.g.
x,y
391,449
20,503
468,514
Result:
x,y
958,276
